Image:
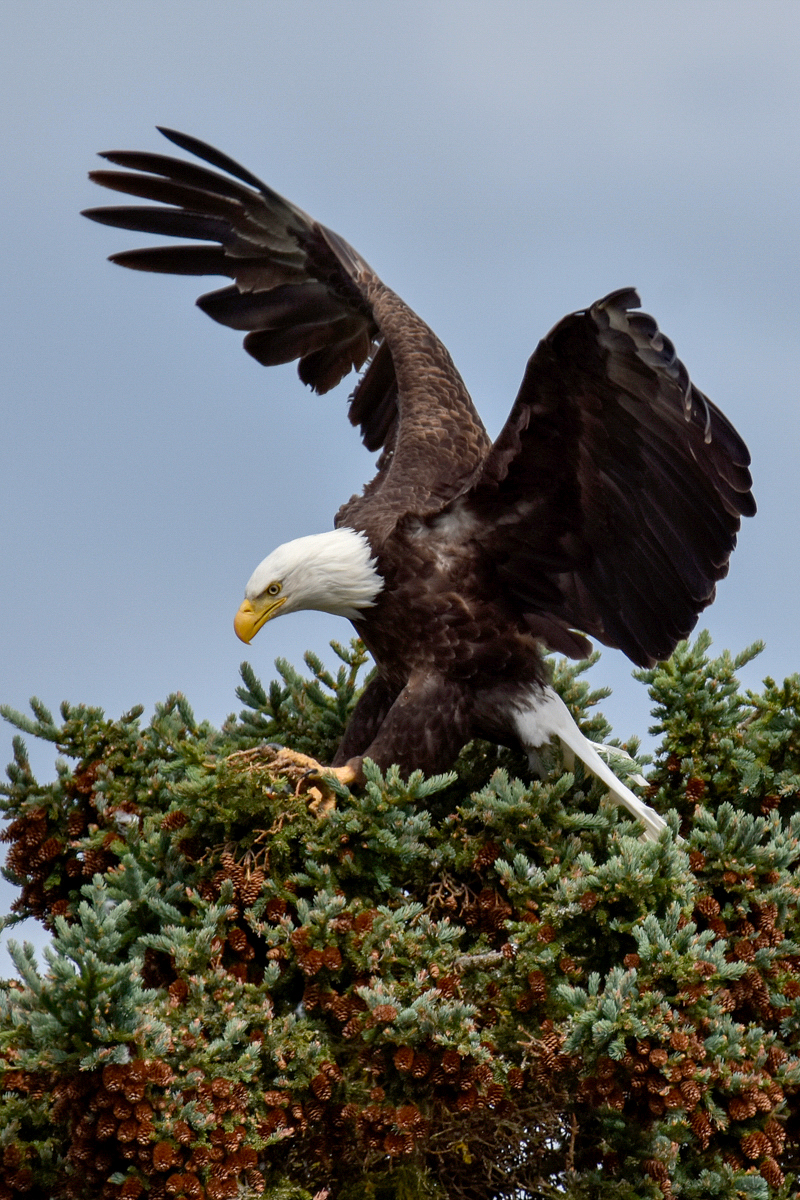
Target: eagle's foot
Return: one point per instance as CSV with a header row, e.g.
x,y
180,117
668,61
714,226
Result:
x,y
309,777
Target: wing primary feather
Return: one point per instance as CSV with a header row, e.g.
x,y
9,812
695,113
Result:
x,y
179,171
154,187
176,260
215,157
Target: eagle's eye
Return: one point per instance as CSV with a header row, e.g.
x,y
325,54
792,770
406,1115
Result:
x,y
273,589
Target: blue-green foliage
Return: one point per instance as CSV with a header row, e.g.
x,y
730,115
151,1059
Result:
x,y
480,985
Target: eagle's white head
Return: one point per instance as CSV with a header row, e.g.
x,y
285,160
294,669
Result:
x,y
333,572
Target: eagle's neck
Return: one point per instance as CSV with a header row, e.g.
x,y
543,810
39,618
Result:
x,y
348,572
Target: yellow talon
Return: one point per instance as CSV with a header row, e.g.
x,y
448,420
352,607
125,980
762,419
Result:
x,y
311,781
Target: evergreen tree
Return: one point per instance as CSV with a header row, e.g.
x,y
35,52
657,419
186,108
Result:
x,y
479,985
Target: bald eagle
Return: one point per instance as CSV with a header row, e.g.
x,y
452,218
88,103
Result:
x,y
608,505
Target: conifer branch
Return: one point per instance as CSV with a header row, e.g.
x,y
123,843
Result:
x,y
477,986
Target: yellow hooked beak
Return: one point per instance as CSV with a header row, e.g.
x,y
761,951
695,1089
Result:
x,y
250,617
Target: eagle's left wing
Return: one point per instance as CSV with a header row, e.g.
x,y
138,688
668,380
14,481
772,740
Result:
x,y
611,500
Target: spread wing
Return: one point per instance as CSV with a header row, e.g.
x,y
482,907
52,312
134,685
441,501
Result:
x,y
611,500
301,292
294,291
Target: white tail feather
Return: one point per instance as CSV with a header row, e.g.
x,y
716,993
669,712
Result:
x,y
546,716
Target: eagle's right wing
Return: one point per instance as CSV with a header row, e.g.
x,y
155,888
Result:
x,y
294,293
301,292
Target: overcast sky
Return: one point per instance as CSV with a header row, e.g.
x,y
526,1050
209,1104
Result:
x,y
499,164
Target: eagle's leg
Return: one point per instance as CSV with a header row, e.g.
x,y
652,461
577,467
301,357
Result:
x,y
366,719
422,727
547,716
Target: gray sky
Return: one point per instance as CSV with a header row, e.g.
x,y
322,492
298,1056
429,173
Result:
x,y
500,164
